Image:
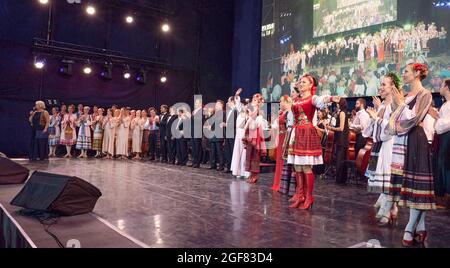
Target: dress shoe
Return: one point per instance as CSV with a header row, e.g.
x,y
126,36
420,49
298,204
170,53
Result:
x,y
220,169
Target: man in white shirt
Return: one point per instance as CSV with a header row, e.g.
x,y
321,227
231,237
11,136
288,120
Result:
x,y
360,122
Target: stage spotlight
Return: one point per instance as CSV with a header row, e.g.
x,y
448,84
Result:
x,y
90,10
163,79
106,73
141,77
165,27
129,19
126,72
87,69
39,63
66,68
44,2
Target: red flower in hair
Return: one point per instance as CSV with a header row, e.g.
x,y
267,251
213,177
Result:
x,y
419,67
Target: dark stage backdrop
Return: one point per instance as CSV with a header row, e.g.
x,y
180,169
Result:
x,y
199,48
247,45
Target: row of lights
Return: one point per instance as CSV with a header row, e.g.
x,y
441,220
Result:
x,y
39,63
91,11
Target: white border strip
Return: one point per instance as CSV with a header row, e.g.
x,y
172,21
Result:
x,y
18,227
114,228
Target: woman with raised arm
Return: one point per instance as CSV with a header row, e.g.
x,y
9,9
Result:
x,y
412,182
305,150
239,152
254,139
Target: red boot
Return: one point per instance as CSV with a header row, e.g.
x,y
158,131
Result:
x,y
295,197
309,192
300,190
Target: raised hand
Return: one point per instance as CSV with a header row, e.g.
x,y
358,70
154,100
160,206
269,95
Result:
x,y
376,102
398,97
372,112
239,91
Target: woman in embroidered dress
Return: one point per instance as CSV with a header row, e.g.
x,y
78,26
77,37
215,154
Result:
x,y
412,182
146,133
68,131
54,131
254,139
282,125
84,123
122,134
137,130
97,127
109,134
288,182
379,169
305,150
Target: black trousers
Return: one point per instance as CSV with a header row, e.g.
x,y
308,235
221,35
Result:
x,y
341,166
360,143
172,152
153,140
39,149
216,154
164,148
197,151
229,147
182,151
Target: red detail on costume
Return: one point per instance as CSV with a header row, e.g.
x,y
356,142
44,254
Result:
x,y
282,119
307,141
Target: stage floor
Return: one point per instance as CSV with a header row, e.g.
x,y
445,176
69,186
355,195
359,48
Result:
x,y
178,207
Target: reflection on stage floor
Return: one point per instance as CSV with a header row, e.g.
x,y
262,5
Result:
x,y
169,206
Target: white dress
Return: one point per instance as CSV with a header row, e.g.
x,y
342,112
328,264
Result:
x,y
361,52
239,153
380,180
122,137
109,136
138,132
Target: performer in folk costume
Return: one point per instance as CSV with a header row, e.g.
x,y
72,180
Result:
x,y
379,169
254,139
305,150
412,175
441,159
283,126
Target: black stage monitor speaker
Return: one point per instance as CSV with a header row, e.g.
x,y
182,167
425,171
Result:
x,y
11,172
63,195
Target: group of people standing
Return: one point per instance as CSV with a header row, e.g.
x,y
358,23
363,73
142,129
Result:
x,y
404,168
119,133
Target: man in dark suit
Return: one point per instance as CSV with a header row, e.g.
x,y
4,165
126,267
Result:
x,y
181,141
163,132
197,133
217,139
230,128
171,142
